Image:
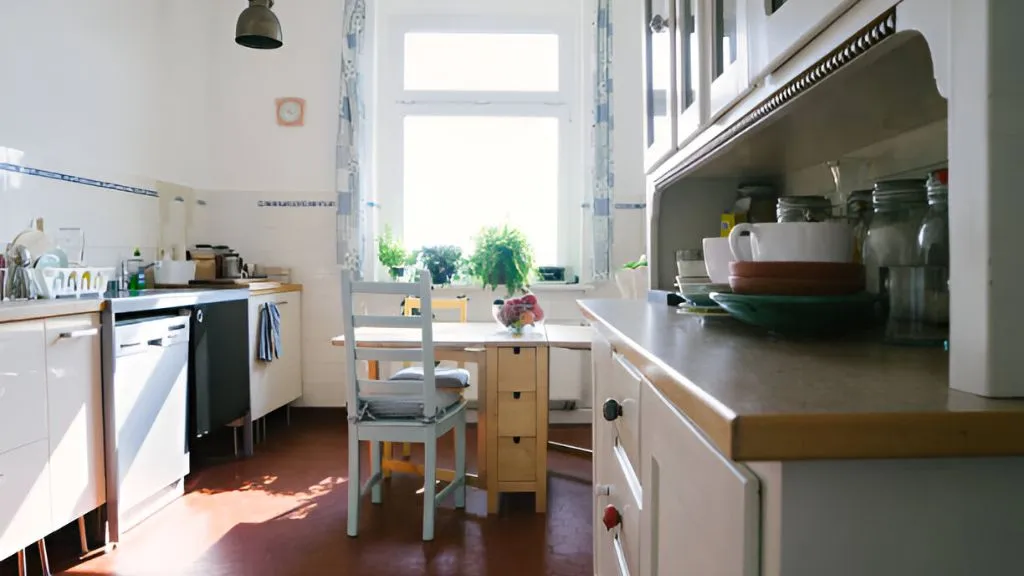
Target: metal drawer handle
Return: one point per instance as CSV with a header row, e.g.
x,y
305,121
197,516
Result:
x,y
611,410
80,333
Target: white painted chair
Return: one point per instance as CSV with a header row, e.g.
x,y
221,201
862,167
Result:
x,y
410,407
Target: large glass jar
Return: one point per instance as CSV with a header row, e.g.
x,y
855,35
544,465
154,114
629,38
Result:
x,y
899,208
858,211
933,237
803,209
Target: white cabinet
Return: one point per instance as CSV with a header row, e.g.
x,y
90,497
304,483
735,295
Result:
x,y
22,384
689,66
75,407
277,383
701,510
659,80
778,28
24,497
729,74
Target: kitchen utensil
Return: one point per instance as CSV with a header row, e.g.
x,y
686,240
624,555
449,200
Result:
x,y
55,258
231,266
72,242
718,255
35,239
796,270
794,287
794,242
802,315
700,294
20,284
796,278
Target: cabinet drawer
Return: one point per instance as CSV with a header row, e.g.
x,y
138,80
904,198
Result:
x,y
624,391
517,414
517,369
24,497
517,459
75,407
22,384
616,486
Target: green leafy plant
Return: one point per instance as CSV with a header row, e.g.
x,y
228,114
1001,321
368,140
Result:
x,y
441,261
638,263
502,257
390,253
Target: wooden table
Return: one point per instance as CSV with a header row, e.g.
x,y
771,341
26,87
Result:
x,y
480,343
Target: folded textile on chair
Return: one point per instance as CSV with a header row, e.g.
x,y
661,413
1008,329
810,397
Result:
x,y
443,377
269,333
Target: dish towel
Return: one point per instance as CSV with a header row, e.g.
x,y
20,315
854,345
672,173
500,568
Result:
x,y
270,333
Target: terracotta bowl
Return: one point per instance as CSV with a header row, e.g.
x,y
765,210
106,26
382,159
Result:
x,y
796,278
793,287
794,270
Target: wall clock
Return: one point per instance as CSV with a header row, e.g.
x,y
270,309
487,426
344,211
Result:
x,y
290,111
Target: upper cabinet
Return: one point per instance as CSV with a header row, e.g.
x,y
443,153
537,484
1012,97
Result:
x,y
728,53
659,80
778,28
689,85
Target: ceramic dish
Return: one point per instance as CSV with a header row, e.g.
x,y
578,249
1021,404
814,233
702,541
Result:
x,y
705,311
700,294
802,315
55,258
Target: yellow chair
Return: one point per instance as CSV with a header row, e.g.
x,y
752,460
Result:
x,y
411,305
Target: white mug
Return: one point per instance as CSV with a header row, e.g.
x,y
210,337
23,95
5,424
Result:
x,y
794,242
718,255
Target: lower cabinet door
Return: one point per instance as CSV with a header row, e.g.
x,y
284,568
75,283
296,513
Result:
x,y
701,511
259,371
24,496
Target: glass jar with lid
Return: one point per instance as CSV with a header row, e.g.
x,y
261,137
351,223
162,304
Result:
x,y
858,213
933,236
803,209
899,207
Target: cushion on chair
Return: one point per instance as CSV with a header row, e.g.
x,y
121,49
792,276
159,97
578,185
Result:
x,y
443,377
394,409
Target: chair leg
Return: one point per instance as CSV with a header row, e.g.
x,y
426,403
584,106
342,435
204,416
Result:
x,y
429,487
353,481
375,465
389,452
44,558
407,450
460,460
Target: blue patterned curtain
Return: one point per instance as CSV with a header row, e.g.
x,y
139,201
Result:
x,y
352,133
604,125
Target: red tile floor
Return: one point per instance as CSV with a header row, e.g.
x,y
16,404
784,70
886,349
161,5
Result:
x,y
283,513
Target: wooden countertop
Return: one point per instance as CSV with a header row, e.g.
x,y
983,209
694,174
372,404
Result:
x,y
758,397
39,309
277,289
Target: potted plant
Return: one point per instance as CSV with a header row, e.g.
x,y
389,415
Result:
x,y
502,257
441,261
391,254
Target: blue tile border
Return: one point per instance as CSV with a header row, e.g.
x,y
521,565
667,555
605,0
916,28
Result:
x,y
7,167
296,203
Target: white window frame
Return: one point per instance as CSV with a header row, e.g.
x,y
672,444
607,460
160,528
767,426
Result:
x,y
392,103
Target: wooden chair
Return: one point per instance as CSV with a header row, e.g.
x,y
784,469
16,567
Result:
x,y
409,407
411,305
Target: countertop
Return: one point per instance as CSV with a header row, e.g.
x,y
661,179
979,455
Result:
x,y
39,309
758,397
277,289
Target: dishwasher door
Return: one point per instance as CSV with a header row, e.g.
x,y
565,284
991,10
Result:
x,y
151,410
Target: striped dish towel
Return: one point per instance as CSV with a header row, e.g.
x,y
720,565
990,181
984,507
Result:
x,y
270,333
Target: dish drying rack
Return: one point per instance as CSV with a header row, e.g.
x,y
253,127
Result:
x,y
72,282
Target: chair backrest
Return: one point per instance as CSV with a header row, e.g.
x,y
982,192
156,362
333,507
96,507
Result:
x,y
361,390
461,304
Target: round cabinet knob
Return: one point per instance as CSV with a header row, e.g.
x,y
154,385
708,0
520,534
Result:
x,y
611,517
611,410
599,489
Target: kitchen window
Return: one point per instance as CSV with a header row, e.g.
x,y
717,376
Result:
x,y
478,124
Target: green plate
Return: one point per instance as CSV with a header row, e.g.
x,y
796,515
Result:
x,y
802,315
700,294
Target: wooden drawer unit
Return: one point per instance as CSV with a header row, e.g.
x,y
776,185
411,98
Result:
x,y
517,414
22,384
24,496
517,422
517,369
517,459
618,496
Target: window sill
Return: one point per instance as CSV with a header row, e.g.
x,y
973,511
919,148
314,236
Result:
x,y
538,288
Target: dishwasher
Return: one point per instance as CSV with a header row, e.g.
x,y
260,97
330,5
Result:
x,y
150,414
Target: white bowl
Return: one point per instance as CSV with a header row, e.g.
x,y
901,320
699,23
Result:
x,y
718,255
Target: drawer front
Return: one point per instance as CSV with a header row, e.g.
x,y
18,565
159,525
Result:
x,y
517,369
22,384
517,414
75,405
517,459
624,391
24,497
616,486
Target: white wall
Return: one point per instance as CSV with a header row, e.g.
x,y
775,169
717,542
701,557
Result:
x,y
105,90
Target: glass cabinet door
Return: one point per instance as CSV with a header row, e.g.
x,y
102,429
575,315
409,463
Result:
x,y
729,72
688,69
659,106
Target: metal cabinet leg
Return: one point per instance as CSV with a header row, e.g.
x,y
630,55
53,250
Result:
x,y
288,414
44,559
83,538
22,564
247,431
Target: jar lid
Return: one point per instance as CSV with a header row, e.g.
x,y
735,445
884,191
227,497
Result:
x,y
804,202
906,190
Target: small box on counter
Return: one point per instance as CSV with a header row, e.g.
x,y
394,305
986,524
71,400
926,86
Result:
x,y
729,220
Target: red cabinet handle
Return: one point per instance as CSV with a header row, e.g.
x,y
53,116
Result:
x,y
611,517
